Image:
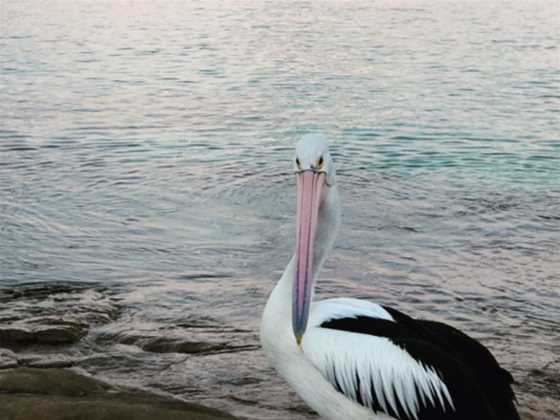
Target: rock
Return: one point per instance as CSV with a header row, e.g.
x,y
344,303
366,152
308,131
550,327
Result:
x,y
48,382
51,313
165,345
61,394
48,360
532,407
8,359
538,392
17,336
171,344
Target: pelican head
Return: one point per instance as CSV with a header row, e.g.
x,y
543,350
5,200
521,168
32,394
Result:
x,y
315,176
312,154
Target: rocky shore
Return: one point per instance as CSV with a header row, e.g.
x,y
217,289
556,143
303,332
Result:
x,y
61,394
67,351
40,328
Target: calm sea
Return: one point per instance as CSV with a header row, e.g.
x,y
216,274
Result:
x,y
145,146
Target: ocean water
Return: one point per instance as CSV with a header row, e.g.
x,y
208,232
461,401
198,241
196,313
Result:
x,y
146,146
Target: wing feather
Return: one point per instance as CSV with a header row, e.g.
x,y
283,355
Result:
x,y
389,363
375,372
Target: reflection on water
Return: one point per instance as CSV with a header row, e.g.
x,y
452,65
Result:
x,y
144,148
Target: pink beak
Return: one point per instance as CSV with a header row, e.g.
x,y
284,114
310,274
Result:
x,y
309,186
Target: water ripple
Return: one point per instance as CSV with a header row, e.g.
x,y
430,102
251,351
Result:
x,y
149,149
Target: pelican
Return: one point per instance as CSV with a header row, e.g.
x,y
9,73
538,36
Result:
x,y
351,359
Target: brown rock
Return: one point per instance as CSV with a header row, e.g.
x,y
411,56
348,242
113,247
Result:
x,y
60,394
42,334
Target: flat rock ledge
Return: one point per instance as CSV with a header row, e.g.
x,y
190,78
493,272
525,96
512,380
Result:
x,y
62,394
52,314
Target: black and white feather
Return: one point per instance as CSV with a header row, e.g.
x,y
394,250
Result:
x,y
405,368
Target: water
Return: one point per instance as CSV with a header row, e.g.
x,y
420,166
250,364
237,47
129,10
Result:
x,y
145,146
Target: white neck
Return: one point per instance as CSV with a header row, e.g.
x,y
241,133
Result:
x,y
327,227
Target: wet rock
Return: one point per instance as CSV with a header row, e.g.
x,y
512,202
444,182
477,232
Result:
x,y
28,394
8,359
48,382
165,345
162,344
40,290
51,313
531,407
43,334
538,392
48,361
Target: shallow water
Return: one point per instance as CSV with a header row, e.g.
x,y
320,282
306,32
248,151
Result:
x,y
145,147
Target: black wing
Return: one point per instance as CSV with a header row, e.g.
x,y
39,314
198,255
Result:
x,y
479,388
494,381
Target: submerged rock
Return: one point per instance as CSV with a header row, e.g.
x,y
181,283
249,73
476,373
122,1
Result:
x,y
8,359
538,393
181,340
165,345
61,394
23,333
52,360
184,346
51,313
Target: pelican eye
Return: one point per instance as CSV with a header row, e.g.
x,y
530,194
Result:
x,y
320,162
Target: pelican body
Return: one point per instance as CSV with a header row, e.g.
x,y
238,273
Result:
x,y
351,359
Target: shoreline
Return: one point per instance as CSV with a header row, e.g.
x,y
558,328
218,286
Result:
x,y
56,340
